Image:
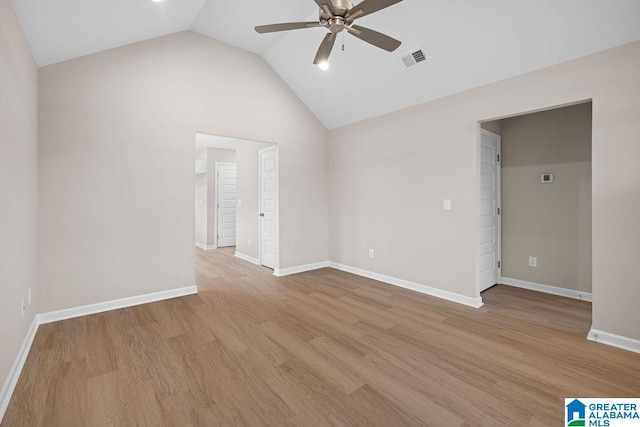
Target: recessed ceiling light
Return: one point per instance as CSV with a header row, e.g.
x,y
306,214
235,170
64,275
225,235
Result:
x,y
324,65
156,1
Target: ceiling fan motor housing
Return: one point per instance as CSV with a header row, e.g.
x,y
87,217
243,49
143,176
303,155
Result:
x,y
340,7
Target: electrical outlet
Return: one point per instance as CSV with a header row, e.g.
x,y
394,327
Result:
x,y
249,241
533,261
200,225
29,297
370,253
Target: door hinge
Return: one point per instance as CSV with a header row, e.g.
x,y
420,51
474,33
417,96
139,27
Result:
x,y
498,211
218,206
498,264
498,157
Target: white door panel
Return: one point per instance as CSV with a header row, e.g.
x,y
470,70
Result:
x,y
268,206
226,204
489,251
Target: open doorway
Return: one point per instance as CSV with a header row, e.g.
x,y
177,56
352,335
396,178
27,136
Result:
x,y
215,189
542,201
236,198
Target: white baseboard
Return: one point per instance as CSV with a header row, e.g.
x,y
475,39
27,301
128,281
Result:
x,y
85,310
423,289
614,340
280,272
54,316
247,258
554,290
205,247
12,379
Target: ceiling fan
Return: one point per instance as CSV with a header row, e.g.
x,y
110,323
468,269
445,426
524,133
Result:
x,y
338,16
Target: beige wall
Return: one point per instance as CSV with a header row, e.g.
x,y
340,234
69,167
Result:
x,y
214,155
492,126
549,221
18,186
247,215
117,170
390,174
202,201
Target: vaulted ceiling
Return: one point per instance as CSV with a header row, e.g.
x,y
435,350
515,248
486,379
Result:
x,y
468,43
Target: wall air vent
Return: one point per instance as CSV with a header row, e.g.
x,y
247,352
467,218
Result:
x,y
414,58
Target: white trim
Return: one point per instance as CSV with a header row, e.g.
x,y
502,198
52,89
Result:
x,y
205,247
69,313
280,272
247,258
547,289
12,379
614,340
423,289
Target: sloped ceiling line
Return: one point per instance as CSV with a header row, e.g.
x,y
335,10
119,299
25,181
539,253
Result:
x,y
467,43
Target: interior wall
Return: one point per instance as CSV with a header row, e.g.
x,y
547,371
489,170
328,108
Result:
x,y
214,155
248,187
116,207
549,221
390,174
18,187
493,126
202,202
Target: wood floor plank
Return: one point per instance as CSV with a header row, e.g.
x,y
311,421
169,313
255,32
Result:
x,y
318,348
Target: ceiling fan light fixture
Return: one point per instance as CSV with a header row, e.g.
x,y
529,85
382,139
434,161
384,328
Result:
x,y
324,65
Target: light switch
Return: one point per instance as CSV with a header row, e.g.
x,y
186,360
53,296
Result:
x,y
239,202
446,204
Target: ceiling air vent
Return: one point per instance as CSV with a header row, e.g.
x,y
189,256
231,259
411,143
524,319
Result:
x,y
413,59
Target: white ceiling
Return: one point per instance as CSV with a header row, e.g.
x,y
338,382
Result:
x,y
469,43
58,30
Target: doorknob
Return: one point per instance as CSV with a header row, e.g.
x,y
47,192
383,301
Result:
x,y
261,214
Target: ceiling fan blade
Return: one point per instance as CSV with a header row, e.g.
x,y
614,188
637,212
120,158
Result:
x,y
327,6
272,28
325,48
375,38
367,7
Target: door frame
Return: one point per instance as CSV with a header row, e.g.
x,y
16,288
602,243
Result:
x,y
276,150
498,205
215,201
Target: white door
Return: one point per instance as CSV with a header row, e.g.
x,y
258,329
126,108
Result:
x,y
268,206
489,253
226,204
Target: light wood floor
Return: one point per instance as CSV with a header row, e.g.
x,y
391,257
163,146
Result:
x,y
319,348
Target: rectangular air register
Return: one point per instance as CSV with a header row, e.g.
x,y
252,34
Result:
x,y
413,59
